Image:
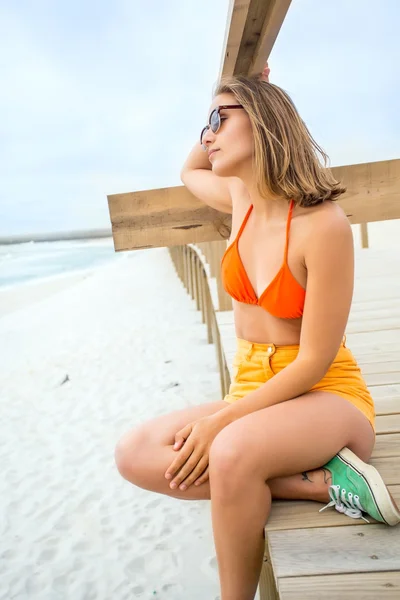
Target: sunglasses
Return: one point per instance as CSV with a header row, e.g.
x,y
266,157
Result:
x,y
214,122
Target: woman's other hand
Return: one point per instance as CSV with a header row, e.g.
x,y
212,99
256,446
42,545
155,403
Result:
x,y
265,74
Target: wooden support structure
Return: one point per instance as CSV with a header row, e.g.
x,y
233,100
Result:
x,y
173,216
306,553
251,30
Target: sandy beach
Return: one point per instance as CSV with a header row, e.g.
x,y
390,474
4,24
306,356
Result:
x,y
81,364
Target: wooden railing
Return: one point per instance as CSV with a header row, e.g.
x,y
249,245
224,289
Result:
x,y
194,272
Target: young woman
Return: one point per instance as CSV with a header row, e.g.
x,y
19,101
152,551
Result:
x,y
298,422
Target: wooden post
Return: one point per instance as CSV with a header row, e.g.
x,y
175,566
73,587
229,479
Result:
x,y
220,357
208,308
190,272
196,279
268,590
218,249
185,267
364,235
200,280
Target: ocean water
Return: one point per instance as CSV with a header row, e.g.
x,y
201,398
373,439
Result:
x,y
21,263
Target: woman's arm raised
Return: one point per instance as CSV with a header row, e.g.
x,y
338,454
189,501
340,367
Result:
x,y
198,177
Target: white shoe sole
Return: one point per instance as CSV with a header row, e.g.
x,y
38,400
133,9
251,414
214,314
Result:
x,y
383,500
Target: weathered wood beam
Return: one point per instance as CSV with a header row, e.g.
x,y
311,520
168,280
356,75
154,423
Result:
x,y
173,216
164,217
373,190
251,30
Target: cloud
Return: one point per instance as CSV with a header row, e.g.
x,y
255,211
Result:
x,y
337,61
102,97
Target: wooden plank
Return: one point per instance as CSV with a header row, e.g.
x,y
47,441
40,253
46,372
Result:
x,y
390,366
376,339
374,314
376,379
387,424
391,323
386,405
164,217
372,346
358,309
302,514
388,391
388,467
371,586
251,30
329,550
364,235
387,445
378,359
376,288
372,190
173,216
264,41
236,21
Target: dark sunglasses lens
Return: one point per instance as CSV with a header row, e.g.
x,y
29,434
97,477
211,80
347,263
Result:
x,y
214,121
203,133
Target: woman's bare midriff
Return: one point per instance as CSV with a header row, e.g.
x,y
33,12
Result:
x,y
254,324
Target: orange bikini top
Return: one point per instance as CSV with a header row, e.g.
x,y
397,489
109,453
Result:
x,y
283,298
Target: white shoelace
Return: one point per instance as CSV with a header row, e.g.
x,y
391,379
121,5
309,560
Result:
x,y
345,503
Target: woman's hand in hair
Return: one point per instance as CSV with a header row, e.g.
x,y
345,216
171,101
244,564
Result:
x,y
265,74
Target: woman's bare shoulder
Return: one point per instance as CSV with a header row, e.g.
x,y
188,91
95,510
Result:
x,y
327,226
316,226
324,215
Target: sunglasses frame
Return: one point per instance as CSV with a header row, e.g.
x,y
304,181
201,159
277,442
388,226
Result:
x,y
207,127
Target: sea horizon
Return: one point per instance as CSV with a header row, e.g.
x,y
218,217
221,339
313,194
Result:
x,y
34,261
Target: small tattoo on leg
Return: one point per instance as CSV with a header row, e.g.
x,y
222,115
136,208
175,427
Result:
x,y
327,475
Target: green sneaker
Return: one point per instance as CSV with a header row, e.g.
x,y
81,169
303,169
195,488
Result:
x,y
357,487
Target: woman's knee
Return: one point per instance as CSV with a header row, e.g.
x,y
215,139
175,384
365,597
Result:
x,y
130,452
229,464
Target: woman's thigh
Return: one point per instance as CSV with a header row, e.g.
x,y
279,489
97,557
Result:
x,y
144,453
161,430
293,436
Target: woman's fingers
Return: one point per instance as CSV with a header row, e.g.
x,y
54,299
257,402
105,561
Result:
x,y
265,73
179,461
178,445
197,471
187,469
205,477
181,436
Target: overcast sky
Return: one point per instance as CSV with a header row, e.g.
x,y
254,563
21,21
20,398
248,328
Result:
x,y
103,97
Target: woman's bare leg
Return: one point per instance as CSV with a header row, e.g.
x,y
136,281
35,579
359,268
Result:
x,y
144,454
278,441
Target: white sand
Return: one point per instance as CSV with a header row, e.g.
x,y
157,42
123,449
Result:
x,y
70,527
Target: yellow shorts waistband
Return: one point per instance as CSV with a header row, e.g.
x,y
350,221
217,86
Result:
x,y
269,347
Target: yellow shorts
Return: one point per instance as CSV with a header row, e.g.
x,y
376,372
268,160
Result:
x,y
254,364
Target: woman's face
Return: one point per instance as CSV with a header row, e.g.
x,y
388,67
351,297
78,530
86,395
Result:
x,y
233,141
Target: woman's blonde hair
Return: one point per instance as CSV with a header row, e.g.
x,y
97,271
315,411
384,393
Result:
x,y
286,157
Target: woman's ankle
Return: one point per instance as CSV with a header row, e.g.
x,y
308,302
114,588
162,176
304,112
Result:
x,y
309,485
320,479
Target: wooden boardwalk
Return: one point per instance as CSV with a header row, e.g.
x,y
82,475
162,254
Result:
x,y
328,555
